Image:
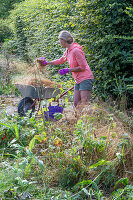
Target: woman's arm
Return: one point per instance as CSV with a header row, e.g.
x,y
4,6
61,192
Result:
x,y
76,69
50,63
61,60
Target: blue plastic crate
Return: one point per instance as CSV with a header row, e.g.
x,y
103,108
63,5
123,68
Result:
x,y
49,115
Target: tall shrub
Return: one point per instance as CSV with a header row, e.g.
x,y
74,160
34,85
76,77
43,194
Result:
x,y
5,31
109,35
21,39
6,6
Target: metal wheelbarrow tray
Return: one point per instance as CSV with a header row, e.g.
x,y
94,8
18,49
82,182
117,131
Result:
x,y
37,92
29,93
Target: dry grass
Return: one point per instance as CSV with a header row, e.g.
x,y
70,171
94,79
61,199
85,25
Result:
x,y
100,123
38,82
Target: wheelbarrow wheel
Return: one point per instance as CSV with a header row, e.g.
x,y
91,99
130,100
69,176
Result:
x,y
24,106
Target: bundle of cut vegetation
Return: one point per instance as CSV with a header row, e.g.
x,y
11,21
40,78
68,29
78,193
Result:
x,y
38,82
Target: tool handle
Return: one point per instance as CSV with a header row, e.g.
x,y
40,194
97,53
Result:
x,y
64,93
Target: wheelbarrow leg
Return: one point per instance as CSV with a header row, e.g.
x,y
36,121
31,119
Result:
x,y
34,103
39,105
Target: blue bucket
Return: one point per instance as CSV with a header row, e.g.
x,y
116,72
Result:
x,y
49,115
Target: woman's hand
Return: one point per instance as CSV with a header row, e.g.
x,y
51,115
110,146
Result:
x,y
42,61
63,71
66,70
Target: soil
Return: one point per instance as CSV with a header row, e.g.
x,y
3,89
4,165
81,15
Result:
x,y
8,104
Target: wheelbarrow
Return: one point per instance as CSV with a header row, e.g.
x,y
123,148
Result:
x,y
33,94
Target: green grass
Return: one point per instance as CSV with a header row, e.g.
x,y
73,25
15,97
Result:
x,y
6,180
12,186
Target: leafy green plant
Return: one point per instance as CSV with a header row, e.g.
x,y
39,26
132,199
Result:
x,y
89,145
123,193
16,186
87,189
5,31
71,172
31,160
6,7
21,39
9,131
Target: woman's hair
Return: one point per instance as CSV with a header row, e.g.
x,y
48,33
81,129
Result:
x,y
65,35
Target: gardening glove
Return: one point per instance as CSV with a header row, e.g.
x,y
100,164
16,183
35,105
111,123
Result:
x,y
63,71
42,61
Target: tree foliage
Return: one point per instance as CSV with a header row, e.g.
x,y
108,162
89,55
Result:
x,y
6,7
5,31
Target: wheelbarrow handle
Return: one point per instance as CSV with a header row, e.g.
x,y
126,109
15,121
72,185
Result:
x,y
65,93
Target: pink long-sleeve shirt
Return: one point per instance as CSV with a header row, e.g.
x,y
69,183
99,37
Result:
x,y
76,58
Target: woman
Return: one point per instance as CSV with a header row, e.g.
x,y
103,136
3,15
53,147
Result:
x,y
78,66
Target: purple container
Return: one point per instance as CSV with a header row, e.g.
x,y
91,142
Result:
x,y
52,110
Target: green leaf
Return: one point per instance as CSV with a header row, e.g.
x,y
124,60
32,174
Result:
x,y
14,140
5,125
41,164
122,180
9,154
85,182
24,163
16,131
119,155
29,153
32,144
86,192
94,185
58,115
100,163
28,168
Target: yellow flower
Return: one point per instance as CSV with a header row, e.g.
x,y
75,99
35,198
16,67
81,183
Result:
x,y
43,152
58,142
